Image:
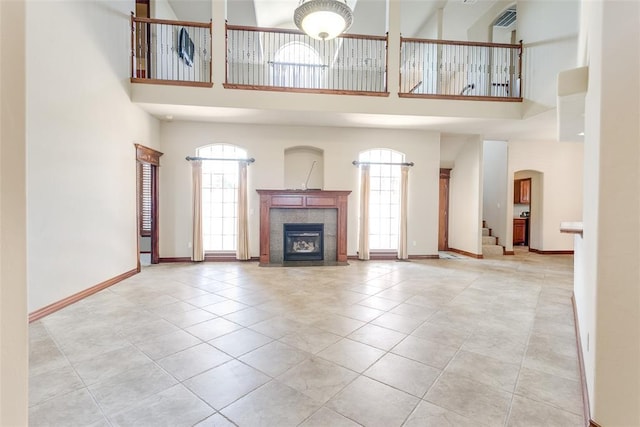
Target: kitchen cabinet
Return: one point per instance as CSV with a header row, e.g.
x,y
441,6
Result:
x,y
522,191
520,231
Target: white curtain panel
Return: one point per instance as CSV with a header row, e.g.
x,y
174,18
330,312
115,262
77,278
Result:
x,y
198,244
363,231
242,251
404,197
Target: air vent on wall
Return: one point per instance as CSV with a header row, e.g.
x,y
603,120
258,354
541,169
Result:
x,y
468,1
507,18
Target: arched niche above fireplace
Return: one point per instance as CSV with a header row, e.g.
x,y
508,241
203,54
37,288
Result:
x,y
299,166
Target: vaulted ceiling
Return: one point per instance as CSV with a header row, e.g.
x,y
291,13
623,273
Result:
x,y
369,15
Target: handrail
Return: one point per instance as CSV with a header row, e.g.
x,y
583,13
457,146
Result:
x,y
298,32
351,64
171,52
289,60
172,22
460,42
449,69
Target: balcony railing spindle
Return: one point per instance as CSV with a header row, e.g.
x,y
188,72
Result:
x,y
437,68
171,52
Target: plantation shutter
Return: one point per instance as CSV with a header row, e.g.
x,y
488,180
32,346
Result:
x,y
145,200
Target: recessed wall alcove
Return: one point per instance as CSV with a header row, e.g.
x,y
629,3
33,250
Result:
x,y
299,166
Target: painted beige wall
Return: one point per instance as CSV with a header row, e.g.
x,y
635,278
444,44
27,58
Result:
x,y
267,144
608,292
303,168
14,353
560,164
465,198
81,160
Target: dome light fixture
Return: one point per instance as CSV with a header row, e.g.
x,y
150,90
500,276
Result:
x,y
323,19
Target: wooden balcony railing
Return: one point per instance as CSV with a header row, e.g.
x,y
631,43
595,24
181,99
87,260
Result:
x,y
177,52
288,60
460,70
170,52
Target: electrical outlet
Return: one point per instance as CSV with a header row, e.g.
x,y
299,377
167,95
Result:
x,y
414,243
189,245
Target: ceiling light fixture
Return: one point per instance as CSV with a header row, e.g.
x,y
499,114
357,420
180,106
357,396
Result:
x,y
323,19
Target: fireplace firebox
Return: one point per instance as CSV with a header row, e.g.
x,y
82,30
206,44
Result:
x,y
303,242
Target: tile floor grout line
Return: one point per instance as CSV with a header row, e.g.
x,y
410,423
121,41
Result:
x,y
388,277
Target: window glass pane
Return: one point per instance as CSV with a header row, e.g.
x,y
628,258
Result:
x,y
219,196
228,210
228,242
216,242
384,197
229,195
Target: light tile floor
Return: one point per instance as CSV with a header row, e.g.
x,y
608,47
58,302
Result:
x,y
427,343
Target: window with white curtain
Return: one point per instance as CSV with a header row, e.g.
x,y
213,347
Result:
x,y
384,198
220,196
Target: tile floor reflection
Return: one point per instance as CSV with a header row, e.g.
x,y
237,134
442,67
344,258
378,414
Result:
x,y
424,343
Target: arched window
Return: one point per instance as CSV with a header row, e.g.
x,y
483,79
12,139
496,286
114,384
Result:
x,y
220,181
384,197
297,65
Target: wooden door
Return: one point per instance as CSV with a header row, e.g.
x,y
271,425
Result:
x,y
151,157
519,231
443,216
525,191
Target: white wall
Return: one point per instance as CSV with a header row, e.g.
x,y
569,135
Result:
x,y
608,296
560,164
81,160
549,31
14,354
267,144
161,9
465,198
494,188
482,28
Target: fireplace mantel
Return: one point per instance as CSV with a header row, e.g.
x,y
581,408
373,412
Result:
x,y
302,199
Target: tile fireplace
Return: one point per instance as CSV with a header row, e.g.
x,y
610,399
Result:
x,y
280,207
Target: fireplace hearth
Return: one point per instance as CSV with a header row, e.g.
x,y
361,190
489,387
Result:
x,y
303,242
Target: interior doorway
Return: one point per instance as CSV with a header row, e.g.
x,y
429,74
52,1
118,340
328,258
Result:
x,y
527,209
443,211
147,163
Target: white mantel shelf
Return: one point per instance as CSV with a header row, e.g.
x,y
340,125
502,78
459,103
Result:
x,y
571,227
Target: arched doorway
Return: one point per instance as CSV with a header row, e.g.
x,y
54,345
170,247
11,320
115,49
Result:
x,y
527,209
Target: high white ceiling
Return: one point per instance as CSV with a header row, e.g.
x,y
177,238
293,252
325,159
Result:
x,y
369,15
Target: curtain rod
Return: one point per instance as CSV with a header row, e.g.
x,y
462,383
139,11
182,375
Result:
x,y
251,160
356,163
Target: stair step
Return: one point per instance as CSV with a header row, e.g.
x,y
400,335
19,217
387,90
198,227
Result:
x,y
486,231
492,250
489,240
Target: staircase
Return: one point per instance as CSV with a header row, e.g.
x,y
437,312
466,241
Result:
x,y
490,247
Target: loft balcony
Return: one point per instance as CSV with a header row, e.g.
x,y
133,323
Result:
x,y
279,63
